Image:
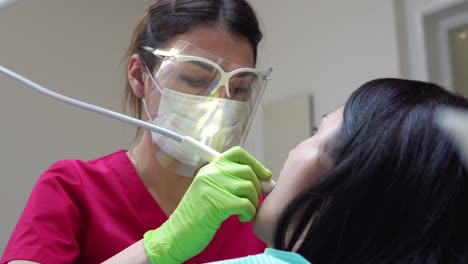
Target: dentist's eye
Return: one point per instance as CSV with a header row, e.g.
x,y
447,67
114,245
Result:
x,y
193,82
239,90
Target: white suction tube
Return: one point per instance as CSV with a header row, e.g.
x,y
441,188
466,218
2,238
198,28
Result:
x,y
197,148
7,3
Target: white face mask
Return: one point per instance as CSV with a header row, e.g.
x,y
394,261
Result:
x,y
215,122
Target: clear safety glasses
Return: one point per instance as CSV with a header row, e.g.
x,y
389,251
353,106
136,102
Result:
x,y
188,69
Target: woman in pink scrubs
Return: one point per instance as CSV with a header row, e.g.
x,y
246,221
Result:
x,y
180,57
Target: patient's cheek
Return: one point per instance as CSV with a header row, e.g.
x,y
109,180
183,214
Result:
x,y
300,175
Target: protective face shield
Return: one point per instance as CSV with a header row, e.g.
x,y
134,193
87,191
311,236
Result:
x,y
194,96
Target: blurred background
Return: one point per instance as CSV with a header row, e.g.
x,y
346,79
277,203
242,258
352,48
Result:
x,y
320,50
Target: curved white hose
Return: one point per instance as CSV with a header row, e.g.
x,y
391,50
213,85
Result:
x,y
7,3
93,108
197,148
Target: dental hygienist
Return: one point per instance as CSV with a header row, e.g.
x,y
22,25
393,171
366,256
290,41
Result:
x,y
190,70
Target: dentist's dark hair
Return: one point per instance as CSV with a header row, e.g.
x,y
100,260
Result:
x,y
398,191
166,19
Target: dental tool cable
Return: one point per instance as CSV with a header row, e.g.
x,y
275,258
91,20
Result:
x,y
190,144
93,108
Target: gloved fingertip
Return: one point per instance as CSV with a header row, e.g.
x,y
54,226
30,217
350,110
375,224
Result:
x,y
261,171
245,218
265,175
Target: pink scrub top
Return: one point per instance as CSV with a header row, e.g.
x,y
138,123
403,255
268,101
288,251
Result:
x,y
86,212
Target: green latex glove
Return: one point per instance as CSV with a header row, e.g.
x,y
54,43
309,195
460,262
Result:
x,y
227,186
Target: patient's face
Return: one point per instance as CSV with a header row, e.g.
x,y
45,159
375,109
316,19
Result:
x,y
305,165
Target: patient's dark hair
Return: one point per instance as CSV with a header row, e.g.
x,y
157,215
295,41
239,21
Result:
x,y
398,191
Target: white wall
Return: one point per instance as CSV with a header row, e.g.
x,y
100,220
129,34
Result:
x,y
424,26
322,47
75,48
326,48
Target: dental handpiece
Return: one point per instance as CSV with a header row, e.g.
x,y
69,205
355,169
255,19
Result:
x,y
209,154
190,144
